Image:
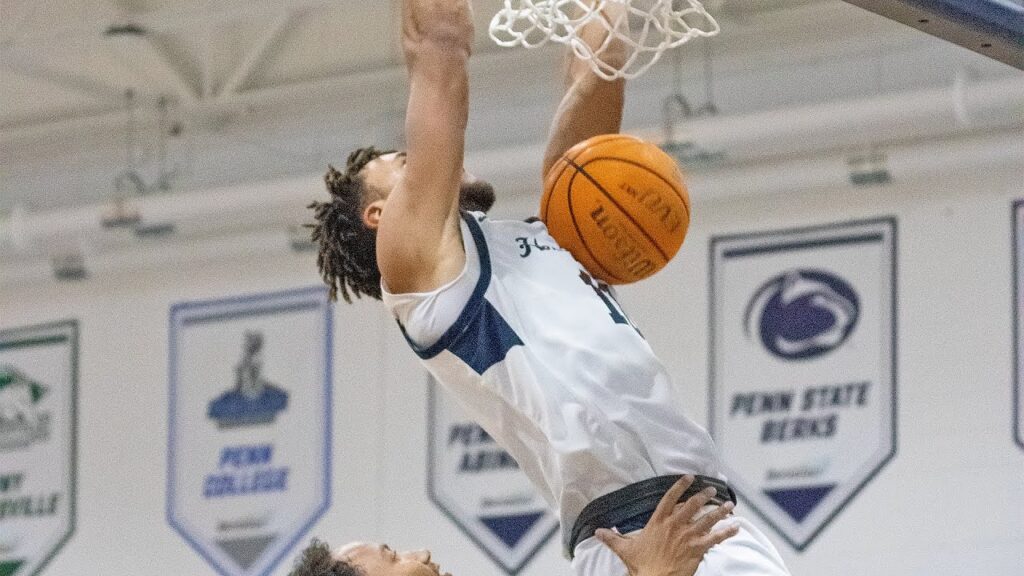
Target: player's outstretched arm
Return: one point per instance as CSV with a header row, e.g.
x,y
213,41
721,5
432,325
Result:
x,y
419,245
591,106
673,543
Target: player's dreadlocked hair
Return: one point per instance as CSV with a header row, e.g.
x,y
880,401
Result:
x,y
316,560
348,249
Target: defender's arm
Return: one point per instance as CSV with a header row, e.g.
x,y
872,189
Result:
x,y
419,242
591,106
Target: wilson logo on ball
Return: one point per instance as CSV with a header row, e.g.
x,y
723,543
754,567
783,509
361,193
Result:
x,y
666,210
803,314
625,249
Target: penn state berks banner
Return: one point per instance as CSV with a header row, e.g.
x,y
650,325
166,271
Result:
x,y
1018,316
38,423
249,457
803,367
481,488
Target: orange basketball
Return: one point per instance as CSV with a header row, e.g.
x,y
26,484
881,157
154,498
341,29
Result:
x,y
619,205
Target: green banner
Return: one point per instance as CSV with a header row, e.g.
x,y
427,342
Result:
x,y
9,568
38,428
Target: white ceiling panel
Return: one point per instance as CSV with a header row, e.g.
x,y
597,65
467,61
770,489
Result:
x,y
32,94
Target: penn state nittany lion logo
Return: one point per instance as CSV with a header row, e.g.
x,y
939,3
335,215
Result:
x,y
802,314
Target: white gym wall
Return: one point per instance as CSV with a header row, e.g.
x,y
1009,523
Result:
x,y
802,87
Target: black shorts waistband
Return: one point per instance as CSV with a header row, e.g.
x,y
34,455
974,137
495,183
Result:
x,y
621,508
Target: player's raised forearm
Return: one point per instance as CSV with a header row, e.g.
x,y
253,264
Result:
x,y
591,105
437,36
418,239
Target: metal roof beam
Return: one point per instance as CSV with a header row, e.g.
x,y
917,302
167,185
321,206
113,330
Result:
x,y
256,55
150,65
133,45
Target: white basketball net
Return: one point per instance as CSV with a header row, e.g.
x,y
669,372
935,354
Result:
x,y
647,28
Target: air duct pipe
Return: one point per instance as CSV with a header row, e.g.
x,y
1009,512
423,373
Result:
x,y
281,204
840,127
835,125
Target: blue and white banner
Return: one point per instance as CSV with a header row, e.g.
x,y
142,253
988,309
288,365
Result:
x,y
1018,316
803,379
38,423
249,458
481,488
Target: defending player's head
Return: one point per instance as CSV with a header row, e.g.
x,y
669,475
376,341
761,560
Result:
x,y
346,226
317,560
363,559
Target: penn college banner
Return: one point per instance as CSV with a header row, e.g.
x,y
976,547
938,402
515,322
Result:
x,y
38,422
249,455
1018,315
481,488
803,368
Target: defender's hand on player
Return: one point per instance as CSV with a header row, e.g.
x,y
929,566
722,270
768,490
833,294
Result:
x,y
674,541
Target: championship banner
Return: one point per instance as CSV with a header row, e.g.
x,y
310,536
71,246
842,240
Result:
x,y
1018,315
38,427
803,368
481,488
249,455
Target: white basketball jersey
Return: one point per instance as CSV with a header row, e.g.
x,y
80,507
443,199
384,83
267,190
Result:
x,y
544,359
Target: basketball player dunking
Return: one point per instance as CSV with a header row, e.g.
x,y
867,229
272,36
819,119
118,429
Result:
x,y
538,352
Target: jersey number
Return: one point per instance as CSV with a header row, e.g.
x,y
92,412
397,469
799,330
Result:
x,y
605,294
